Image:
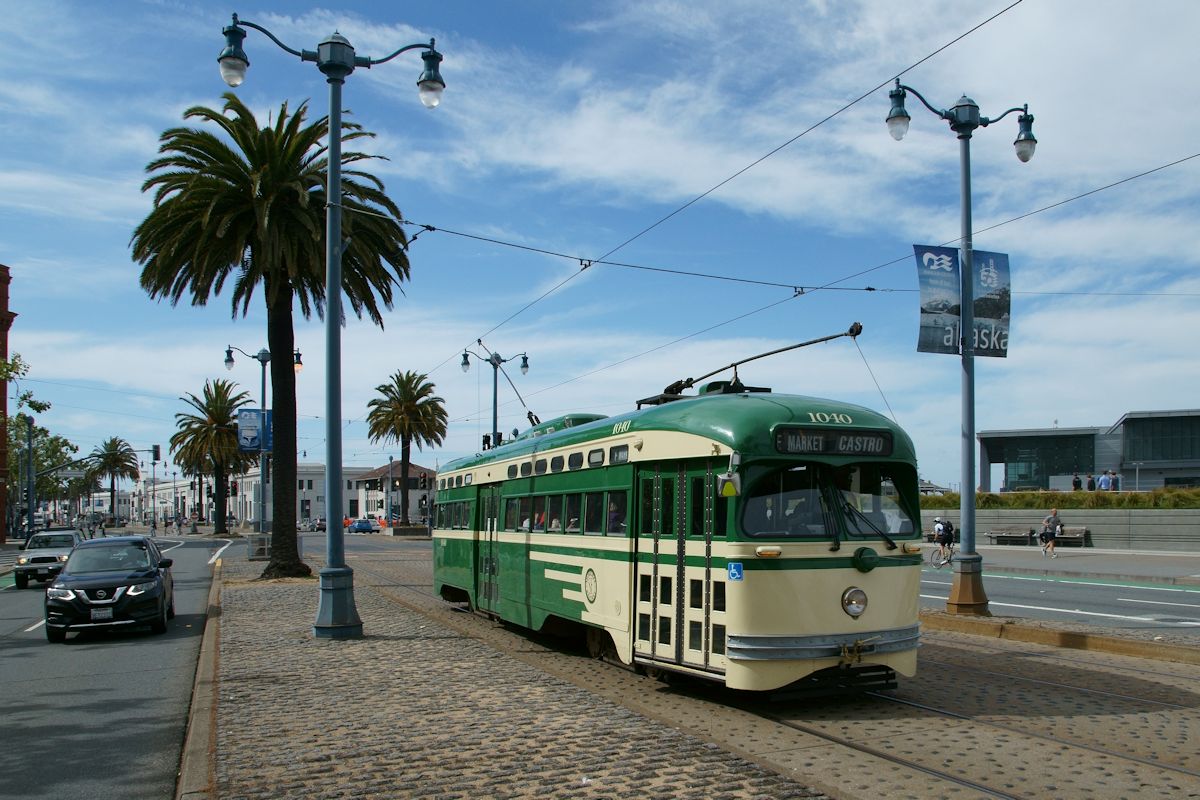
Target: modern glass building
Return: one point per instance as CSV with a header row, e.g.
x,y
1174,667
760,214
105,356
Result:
x,y
1147,449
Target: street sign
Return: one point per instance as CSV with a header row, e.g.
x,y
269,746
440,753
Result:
x,y
71,474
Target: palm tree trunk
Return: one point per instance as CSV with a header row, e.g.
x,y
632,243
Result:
x,y
220,504
285,554
405,455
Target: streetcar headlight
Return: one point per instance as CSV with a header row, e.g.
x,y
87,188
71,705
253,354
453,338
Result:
x,y
854,601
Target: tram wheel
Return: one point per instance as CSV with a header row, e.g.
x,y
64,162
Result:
x,y
600,644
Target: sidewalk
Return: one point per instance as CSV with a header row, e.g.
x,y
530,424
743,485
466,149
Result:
x,y
415,709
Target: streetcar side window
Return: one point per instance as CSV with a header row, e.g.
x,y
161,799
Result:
x,y
556,464
539,467
593,512
618,454
539,513
617,506
573,513
575,461
511,512
596,458
526,505
512,470
668,507
526,469
554,507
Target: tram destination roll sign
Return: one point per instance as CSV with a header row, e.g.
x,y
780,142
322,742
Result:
x,y
833,442
941,290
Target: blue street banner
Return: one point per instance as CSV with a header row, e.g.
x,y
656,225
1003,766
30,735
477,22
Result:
x,y
937,276
249,433
993,302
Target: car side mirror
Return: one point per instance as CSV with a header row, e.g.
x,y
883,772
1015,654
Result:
x,y
22,545
165,563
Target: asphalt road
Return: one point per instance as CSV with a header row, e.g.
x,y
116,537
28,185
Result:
x,y
103,715
1102,602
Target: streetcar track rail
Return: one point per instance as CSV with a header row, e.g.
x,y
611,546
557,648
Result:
x,y
1150,762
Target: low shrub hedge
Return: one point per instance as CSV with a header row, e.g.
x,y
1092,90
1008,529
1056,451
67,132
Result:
x,y
1158,498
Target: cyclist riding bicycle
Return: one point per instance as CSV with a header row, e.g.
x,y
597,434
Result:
x,y
943,534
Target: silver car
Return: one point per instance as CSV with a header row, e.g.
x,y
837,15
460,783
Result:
x,y
43,556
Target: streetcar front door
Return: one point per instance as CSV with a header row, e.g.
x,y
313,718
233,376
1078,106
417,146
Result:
x,y
679,602
487,560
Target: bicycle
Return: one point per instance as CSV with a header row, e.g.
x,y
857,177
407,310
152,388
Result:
x,y
935,556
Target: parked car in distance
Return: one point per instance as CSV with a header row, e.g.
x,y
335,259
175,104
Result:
x,y
44,555
121,581
364,525
314,524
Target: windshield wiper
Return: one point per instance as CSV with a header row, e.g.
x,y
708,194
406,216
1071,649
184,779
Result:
x,y
856,512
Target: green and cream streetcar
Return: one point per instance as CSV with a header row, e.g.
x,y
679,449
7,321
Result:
x,y
756,539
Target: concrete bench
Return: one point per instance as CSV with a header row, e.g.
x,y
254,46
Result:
x,y
1012,534
1074,535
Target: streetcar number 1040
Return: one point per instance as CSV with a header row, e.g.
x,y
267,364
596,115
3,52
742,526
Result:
x,y
826,418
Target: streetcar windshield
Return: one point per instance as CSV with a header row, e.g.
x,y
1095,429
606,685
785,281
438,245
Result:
x,y
817,501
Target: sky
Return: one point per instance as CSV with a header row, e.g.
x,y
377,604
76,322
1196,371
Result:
x,y
737,149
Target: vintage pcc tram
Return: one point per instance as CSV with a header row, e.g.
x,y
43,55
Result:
x,y
756,539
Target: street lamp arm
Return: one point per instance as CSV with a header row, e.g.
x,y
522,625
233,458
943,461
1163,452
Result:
x,y
419,46
940,112
303,55
985,121
243,352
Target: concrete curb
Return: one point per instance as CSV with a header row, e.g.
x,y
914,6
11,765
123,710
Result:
x,y
197,778
1057,637
1102,576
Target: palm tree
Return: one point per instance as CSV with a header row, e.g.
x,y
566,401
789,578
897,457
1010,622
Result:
x,y
206,442
114,459
250,206
410,413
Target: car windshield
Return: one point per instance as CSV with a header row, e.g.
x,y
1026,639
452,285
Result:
x,y
818,501
118,558
62,540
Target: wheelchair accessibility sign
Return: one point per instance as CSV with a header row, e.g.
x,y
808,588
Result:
x,y
735,570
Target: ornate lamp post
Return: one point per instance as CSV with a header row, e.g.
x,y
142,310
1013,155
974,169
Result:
x,y
966,595
495,360
337,617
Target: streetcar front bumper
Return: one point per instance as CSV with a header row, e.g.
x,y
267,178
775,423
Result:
x,y
846,646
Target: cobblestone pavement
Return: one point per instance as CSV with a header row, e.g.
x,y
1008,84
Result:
x,y
415,709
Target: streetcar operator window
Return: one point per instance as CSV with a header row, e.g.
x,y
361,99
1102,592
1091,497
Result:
x,y
815,500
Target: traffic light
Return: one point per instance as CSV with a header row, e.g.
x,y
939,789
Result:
x,y
233,488
423,482
208,489
193,485
156,452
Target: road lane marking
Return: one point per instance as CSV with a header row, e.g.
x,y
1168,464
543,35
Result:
x,y
35,627
217,554
1158,603
1073,611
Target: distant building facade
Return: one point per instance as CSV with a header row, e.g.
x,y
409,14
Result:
x,y
1147,449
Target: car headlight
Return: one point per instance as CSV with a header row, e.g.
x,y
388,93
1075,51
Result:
x,y
141,588
854,601
22,560
59,593
62,557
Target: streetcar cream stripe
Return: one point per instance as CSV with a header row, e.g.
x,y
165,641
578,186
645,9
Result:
x,y
576,596
566,577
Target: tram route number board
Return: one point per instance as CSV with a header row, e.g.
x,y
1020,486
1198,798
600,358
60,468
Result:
x,y
833,442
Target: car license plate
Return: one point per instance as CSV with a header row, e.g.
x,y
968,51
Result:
x,y
101,613
43,571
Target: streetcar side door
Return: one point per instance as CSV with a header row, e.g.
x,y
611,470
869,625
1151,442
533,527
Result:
x,y
487,564
678,601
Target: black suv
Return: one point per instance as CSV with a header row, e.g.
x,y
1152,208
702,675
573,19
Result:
x,y
110,583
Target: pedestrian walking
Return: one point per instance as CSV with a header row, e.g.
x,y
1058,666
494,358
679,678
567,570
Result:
x,y
1104,482
1091,483
1076,483
1114,483
1051,528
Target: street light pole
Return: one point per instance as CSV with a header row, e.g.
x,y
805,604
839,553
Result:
x,y
495,360
966,595
263,357
337,617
